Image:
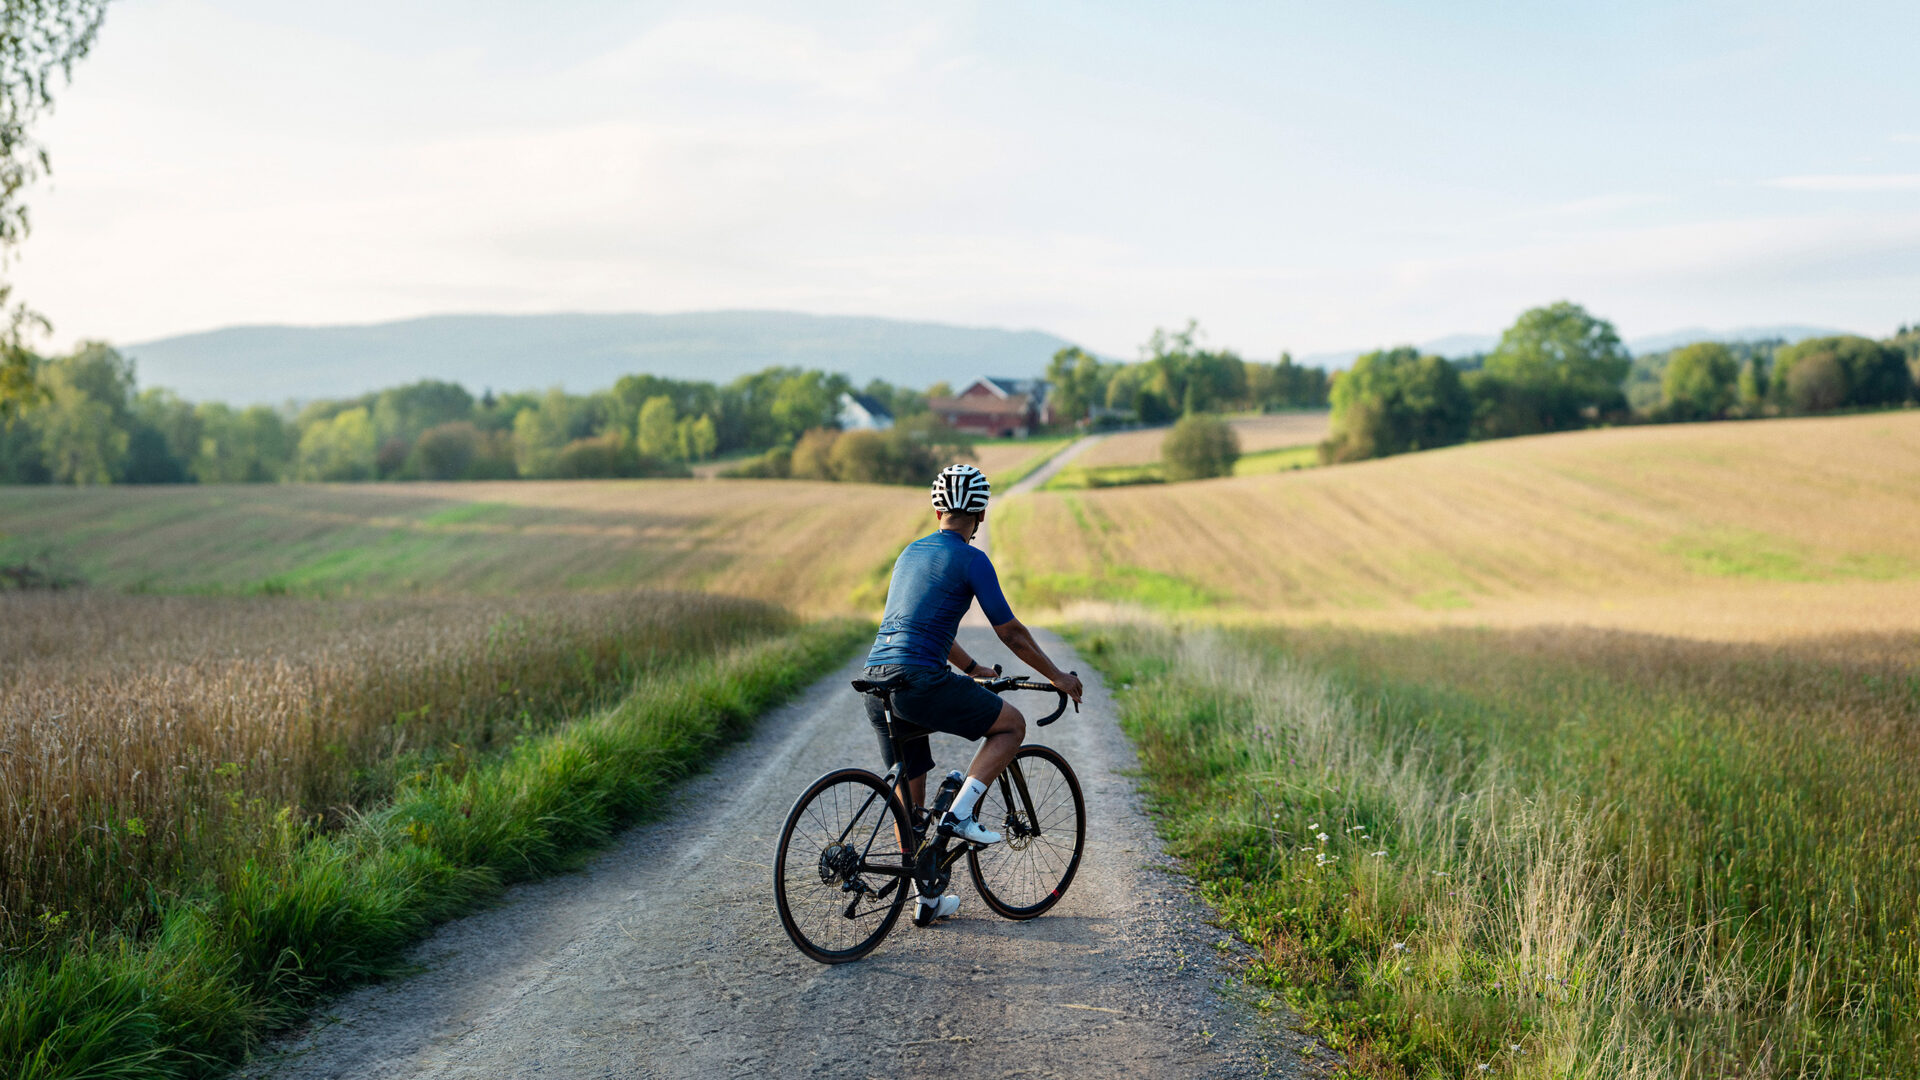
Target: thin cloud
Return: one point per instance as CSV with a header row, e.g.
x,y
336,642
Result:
x,y
1598,204
1849,182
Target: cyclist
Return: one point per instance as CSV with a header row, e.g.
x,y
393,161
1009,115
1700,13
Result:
x,y
934,581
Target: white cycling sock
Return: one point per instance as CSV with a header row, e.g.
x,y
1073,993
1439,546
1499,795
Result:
x,y
969,796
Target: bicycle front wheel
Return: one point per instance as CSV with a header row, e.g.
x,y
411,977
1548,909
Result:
x,y
1037,808
841,874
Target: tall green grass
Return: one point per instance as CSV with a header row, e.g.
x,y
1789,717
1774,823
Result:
x,y
1552,853
300,915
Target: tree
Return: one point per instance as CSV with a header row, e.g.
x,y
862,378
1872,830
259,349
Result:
x,y
658,437
341,448
1814,383
599,456
806,400
813,455
697,439
1753,383
37,41
164,439
1079,382
1700,382
540,433
82,441
86,423
406,411
1286,385
1556,367
445,451
1840,371
1199,446
251,446
1394,401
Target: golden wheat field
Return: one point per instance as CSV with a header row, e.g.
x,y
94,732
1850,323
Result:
x,y
139,735
1734,531
816,548
1275,431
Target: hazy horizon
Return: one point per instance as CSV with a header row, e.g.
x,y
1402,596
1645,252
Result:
x,y
1297,178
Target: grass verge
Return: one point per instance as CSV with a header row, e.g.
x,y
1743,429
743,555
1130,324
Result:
x,y
301,915
1565,854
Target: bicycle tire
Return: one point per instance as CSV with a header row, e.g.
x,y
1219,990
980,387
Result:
x,y
850,807
1021,877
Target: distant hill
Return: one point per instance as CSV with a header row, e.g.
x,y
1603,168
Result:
x,y
1790,334
1455,346
1452,346
272,364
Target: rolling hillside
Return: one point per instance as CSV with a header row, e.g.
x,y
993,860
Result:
x,y
1734,531
818,548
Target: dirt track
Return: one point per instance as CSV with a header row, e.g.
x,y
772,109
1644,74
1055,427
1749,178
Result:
x,y
664,957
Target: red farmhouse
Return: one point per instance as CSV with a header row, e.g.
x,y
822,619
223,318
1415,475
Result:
x,y
997,408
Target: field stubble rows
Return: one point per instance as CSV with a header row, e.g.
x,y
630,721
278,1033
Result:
x,y
1733,531
815,548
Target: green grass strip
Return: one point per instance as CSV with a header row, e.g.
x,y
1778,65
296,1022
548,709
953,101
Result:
x,y
305,916
1544,856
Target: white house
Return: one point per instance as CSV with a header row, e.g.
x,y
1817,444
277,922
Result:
x,y
858,412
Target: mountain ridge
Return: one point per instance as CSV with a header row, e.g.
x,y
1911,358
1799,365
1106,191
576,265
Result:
x,y
272,363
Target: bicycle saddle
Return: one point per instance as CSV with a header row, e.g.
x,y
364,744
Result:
x,y
887,686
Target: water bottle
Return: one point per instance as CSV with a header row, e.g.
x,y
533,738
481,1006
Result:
x,y
949,788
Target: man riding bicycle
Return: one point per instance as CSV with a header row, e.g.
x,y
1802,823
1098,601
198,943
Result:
x,y
934,581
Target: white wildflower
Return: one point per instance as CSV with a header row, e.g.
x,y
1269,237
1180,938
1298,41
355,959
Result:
x,y
1399,946
1322,837
1379,853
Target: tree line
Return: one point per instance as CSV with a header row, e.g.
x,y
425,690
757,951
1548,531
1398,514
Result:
x,y
1559,367
87,422
1174,378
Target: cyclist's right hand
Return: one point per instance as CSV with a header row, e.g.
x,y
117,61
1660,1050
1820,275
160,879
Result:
x,y
1070,684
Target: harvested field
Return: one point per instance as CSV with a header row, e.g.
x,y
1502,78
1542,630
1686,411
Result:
x,y
1007,461
816,548
146,741
1275,431
1734,531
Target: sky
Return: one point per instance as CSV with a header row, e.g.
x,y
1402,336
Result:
x,y
1303,175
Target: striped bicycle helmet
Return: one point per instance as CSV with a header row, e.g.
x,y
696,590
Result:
x,y
961,488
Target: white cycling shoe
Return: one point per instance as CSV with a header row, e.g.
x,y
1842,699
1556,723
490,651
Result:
x,y
968,828
935,907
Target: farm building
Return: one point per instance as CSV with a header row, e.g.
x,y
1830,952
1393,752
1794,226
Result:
x,y
858,412
997,408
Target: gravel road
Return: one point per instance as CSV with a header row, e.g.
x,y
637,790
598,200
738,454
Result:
x,y
664,957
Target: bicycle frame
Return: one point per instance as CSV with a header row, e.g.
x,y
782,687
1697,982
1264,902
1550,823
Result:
x,y
932,856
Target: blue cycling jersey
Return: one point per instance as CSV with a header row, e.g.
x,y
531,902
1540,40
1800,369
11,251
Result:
x,y
934,581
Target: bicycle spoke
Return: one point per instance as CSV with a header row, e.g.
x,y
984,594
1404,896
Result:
x,y
1025,873
844,824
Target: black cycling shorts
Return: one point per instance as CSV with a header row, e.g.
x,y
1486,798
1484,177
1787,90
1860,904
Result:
x,y
934,699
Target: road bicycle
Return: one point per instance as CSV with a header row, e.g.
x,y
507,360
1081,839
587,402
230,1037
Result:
x,y
851,853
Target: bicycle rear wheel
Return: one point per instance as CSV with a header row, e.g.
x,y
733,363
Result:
x,y
841,873
1036,806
